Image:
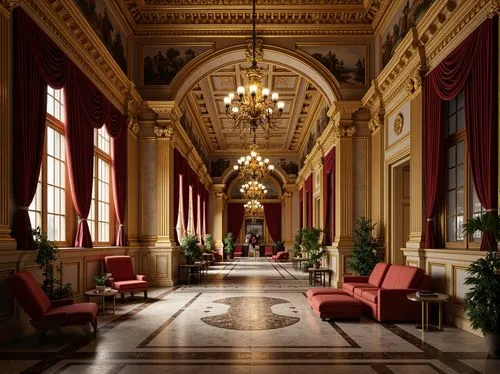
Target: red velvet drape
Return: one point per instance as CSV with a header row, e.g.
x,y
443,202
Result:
x,y
272,214
39,62
301,208
309,200
178,160
235,215
186,180
329,196
470,67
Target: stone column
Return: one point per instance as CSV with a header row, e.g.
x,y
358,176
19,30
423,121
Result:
x,y
165,183
217,192
341,114
6,241
288,213
417,204
132,221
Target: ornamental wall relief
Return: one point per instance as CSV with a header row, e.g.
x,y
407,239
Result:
x,y
398,124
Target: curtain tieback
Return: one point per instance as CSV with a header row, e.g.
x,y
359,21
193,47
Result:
x,y
121,225
491,210
23,207
430,219
83,219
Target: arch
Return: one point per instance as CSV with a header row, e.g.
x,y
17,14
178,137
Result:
x,y
271,180
297,61
279,175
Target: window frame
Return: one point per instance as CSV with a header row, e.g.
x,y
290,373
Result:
x,y
468,242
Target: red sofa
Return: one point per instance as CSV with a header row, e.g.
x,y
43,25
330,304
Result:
x,y
238,251
123,278
280,256
383,293
268,251
45,314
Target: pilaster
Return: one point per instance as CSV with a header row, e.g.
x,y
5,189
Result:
x,y
6,241
416,238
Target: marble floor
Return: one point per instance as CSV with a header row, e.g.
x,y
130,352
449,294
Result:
x,y
250,316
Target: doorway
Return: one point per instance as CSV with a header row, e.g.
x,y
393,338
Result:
x,y
400,212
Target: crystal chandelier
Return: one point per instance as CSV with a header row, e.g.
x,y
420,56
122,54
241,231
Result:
x,y
254,106
254,207
253,167
253,190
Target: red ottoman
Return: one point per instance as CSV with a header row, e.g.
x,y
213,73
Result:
x,y
341,306
311,292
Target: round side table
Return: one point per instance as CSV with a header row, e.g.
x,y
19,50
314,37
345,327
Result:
x,y
440,298
103,294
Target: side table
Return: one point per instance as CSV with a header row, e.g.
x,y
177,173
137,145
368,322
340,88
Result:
x,y
319,274
103,294
440,298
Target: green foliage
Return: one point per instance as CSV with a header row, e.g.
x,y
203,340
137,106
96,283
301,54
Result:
x,y
297,240
101,280
229,244
209,243
483,298
364,252
311,244
280,246
189,245
46,255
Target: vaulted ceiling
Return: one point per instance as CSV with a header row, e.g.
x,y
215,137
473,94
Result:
x,y
206,101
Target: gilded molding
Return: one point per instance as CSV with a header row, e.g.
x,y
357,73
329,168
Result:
x,y
133,125
284,30
259,54
494,8
415,80
164,129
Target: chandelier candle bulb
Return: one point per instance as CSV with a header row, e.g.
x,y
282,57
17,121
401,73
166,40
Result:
x,y
253,89
231,95
281,105
265,92
275,96
227,100
240,90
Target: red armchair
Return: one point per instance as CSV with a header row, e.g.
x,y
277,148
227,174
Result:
x,y
269,250
123,278
280,256
45,314
238,251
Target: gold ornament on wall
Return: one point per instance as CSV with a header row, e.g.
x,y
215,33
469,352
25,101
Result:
x,y
398,124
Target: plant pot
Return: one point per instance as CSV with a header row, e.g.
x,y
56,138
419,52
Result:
x,y
492,340
100,288
189,261
317,265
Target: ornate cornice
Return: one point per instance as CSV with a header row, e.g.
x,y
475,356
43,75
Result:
x,y
133,125
66,26
6,6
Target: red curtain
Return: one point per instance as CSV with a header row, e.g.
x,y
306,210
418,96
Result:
x,y
272,214
186,178
309,200
205,212
329,196
470,67
39,62
301,207
235,215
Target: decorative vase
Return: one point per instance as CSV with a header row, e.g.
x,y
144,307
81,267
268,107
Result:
x,y
100,288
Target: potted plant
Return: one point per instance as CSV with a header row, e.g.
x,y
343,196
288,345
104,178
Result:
x,y
229,245
483,298
101,280
189,245
311,242
364,251
209,243
297,248
46,255
280,246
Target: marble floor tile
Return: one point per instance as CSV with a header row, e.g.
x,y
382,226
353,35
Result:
x,y
250,316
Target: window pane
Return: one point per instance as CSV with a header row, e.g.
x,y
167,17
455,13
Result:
x,y
461,120
451,203
452,106
451,227
452,159
460,100
460,153
452,178
459,229
460,201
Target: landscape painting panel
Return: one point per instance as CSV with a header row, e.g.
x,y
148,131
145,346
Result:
x,y
102,21
347,62
162,62
405,18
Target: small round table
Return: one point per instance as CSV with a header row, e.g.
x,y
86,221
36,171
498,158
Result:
x,y
103,294
439,298
319,274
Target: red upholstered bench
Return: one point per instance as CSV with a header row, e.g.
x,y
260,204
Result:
x,y
338,306
323,291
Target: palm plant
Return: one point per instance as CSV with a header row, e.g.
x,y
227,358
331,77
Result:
x,y
229,245
209,243
189,245
364,251
311,244
483,298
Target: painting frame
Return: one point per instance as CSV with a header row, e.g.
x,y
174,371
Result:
x,y
308,47
207,46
